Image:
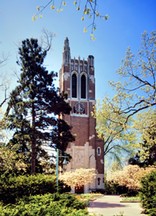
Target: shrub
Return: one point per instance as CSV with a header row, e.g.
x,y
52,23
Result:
x,y
113,188
11,162
148,193
16,187
48,204
129,178
79,177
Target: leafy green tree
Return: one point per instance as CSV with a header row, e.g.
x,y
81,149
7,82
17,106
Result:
x,y
134,93
61,138
119,140
11,162
34,106
2,126
137,89
148,153
148,193
146,124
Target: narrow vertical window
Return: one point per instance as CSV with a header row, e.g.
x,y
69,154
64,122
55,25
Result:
x,y
99,181
98,151
74,86
83,86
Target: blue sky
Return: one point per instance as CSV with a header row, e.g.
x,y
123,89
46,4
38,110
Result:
x,y
127,21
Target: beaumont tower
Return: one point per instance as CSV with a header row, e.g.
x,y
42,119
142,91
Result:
x,y
77,79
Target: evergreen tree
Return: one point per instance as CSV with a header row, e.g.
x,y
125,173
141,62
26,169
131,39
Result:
x,y
34,106
146,156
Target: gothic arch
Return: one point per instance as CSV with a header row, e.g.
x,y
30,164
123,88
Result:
x,y
74,82
83,86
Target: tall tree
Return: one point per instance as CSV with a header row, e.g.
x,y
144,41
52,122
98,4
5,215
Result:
x,y
146,126
11,162
2,127
34,104
3,99
135,92
137,88
119,140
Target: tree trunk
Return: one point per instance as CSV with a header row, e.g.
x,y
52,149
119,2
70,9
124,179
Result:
x,y
33,143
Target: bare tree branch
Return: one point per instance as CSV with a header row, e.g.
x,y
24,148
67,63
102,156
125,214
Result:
x,y
46,39
5,96
136,93
138,110
116,146
141,71
88,8
2,60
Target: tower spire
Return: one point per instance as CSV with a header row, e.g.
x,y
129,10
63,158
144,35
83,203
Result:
x,y
66,52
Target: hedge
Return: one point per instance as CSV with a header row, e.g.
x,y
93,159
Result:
x,y
16,187
46,205
112,188
148,193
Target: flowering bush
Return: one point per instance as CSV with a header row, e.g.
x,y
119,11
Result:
x,y
79,177
130,176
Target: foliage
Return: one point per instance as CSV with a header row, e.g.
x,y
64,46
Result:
x,y
2,126
146,125
115,166
113,188
11,162
88,8
131,199
79,177
33,107
88,196
4,88
120,214
129,177
117,137
136,90
19,186
148,193
48,204
134,93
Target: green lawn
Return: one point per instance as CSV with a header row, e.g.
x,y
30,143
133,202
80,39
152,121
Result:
x,y
130,199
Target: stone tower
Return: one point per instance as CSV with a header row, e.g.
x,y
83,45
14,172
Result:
x,y
78,81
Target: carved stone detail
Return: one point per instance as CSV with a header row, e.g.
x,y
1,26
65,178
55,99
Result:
x,y
66,76
79,158
92,78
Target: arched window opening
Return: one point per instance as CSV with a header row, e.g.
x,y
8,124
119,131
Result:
x,y
74,86
98,151
99,180
83,86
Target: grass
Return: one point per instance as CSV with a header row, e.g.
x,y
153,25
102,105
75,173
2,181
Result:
x,y
88,197
120,214
130,199
92,196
